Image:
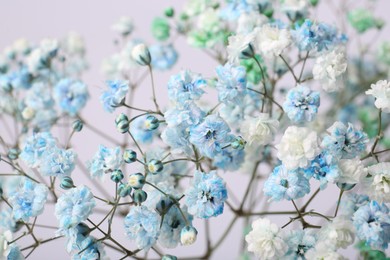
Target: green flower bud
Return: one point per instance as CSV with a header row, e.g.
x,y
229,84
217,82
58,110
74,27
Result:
x,y
136,180
66,183
139,196
129,156
151,123
155,166
124,190
160,29
314,2
117,175
169,12
13,153
122,123
77,125
345,186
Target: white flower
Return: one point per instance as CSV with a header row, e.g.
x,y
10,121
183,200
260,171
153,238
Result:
x,y
74,43
124,26
352,171
21,46
5,237
141,54
248,21
240,47
381,92
272,40
49,46
299,145
265,241
322,251
338,233
295,6
209,21
259,130
377,186
34,61
329,68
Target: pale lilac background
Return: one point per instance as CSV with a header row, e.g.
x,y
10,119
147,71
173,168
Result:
x,y
35,20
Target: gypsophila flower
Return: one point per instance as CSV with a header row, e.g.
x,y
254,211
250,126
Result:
x,y
206,196
285,184
142,225
240,47
57,162
73,207
29,200
105,160
124,26
295,9
352,171
71,95
89,248
338,233
351,202
322,251
301,104
299,145
35,146
372,224
323,168
13,253
377,185
231,84
185,86
115,95
271,40
381,92
163,56
229,159
265,241
259,130
139,129
299,242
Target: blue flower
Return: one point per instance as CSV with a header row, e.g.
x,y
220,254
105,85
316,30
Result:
x,y
163,56
29,200
39,97
185,86
71,95
184,115
301,104
35,146
140,131
210,136
57,162
115,95
229,159
285,184
231,84
372,223
105,160
351,202
299,242
21,79
206,196
7,222
178,139
89,249
74,206
143,226
344,142
14,253
235,8
323,168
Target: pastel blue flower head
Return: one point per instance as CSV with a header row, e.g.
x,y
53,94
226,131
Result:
x,y
71,95
74,207
235,8
185,86
57,162
285,184
143,226
323,168
35,146
372,223
163,56
229,159
351,202
301,104
89,248
14,253
28,201
184,115
206,196
299,241
344,141
140,131
39,97
231,84
105,160
178,139
114,95
211,135
21,79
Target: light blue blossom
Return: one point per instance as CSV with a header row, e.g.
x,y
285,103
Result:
x,y
235,8
39,97
74,206
229,159
323,168
163,56
178,139
372,223
299,242
140,131
35,146
301,104
14,253
231,84
344,142
285,184
210,136
105,160
206,196
71,95
351,202
114,95
44,119
89,249
57,162
184,115
185,86
143,226
21,79
29,200
7,222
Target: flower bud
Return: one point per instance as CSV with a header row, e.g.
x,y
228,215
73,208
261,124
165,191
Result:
x,y
151,123
188,235
155,166
77,125
163,206
129,156
136,180
247,52
122,123
169,12
141,54
345,186
66,183
168,257
13,153
124,190
139,196
238,143
28,113
117,175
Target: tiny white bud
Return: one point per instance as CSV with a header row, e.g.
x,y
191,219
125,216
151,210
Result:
x,y
188,235
28,113
141,54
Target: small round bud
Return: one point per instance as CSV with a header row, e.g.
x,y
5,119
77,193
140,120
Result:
x,y
28,113
66,183
122,123
117,175
184,16
314,2
77,125
238,143
136,180
188,235
141,55
345,186
247,52
13,153
169,12
269,12
139,196
168,257
155,166
163,206
151,123
124,190
129,156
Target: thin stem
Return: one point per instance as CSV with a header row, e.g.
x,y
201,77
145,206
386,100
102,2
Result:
x,y
289,68
338,202
153,88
